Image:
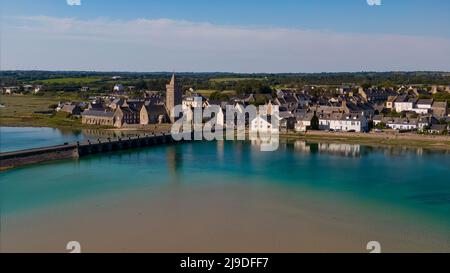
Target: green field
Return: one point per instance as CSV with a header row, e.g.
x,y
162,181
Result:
x,y
207,93
235,79
81,80
23,111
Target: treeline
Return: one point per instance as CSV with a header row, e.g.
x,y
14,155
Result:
x,y
241,83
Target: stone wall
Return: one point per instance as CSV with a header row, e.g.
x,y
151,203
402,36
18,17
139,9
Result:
x,y
33,156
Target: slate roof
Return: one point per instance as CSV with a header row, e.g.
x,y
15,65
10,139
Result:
x,y
425,101
98,113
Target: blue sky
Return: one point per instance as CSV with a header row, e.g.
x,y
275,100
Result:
x,y
347,22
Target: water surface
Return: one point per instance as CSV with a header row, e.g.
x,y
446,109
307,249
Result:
x,y
213,193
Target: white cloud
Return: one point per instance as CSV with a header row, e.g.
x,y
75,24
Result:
x,y
43,42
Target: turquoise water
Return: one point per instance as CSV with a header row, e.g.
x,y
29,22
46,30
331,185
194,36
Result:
x,y
382,179
20,138
389,176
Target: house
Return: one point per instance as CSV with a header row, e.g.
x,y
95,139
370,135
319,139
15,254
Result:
x,y
153,114
131,88
390,102
118,88
401,123
124,116
418,92
303,122
71,108
102,117
404,103
375,95
244,99
11,89
116,103
364,109
344,122
85,89
424,103
303,100
262,124
439,109
96,105
220,116
378,119
438,129
325,109
127,112
424,122
287,121
28,88
288,101
37,89
193,101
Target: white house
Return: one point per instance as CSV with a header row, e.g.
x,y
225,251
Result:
x,y
11,89
344,122
424,103
37,89
118,88
303,122
403,104
28,87
263,124
402,124
423,106
193,101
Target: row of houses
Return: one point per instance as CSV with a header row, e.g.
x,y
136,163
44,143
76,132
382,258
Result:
x,y
299,111
120,114
405,103
26,88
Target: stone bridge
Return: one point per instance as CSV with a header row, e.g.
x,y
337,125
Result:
x,y
75,150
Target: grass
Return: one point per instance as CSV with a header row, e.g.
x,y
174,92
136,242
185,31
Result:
x,y
207,93
24,111
374,140
234,79
68,80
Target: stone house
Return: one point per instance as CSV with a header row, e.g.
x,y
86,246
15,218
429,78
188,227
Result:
x,y
439,109
153,114
102,117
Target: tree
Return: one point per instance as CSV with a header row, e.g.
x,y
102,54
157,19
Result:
x,y
315,122
218,96
265,89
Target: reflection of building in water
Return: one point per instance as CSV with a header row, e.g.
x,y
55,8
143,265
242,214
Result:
x,y
220,150
340,149
69,132
174,161
405,151
301,146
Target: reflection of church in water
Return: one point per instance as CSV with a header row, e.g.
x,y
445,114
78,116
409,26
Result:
x,y
174,158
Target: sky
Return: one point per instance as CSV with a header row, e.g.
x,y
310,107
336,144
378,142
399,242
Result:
x,y
225,35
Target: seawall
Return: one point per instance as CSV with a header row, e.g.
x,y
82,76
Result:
x,y
15,159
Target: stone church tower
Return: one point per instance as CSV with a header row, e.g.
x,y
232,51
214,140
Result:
x,y
173,96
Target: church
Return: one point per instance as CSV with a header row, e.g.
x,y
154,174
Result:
x,y
123,112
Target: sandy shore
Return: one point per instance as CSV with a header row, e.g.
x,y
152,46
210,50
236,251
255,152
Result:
x,y
232,218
